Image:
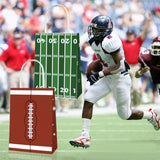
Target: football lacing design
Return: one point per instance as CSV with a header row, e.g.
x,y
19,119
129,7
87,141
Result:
x,y
30,121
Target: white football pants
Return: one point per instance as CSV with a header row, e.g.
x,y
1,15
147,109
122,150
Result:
x,y
120,85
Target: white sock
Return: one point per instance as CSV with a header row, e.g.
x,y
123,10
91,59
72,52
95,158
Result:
x,y
86,125
147,115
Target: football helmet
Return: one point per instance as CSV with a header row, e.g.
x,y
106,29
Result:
x,y
155,46
100,27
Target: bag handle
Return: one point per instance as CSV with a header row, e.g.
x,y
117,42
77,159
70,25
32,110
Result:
x,y
57,5
32,60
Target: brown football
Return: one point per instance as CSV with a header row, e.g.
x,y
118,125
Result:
x,y
94,66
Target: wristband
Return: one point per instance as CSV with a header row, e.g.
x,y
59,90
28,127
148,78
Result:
x,y
139,73
101,74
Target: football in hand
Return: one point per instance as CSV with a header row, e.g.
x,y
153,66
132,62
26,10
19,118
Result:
x,y
94,67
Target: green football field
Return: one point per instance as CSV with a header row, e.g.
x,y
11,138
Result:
x,y
111,139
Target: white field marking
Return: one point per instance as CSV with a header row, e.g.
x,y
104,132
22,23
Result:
x,y
58,66
4,151
106,124
3,124
107,151
95,151
118,139
96,131
46,61
107,130
101,139
52,64
70,65
4,131
64,65
4,118
40,62
4,140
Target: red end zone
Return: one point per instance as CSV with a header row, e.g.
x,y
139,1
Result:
x,y
32,120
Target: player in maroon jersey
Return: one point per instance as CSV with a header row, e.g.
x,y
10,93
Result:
x,y
150,60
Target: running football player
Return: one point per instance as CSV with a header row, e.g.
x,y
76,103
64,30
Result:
x,y
113,78
150,60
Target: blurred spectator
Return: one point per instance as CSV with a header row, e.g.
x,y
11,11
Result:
x,y
88,14
41,5
76,17
12,60
58,20
3,82
35,25
156,17
10,17
131,48
156,14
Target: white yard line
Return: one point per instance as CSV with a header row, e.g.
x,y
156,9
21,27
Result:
x,y
102,139
108,124
94,151
105,130
117,140
96,131
4,140
4,117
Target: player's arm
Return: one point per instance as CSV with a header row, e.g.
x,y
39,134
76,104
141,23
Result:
x,y
141,71
146,26
118,67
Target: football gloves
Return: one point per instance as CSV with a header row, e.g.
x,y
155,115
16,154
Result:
x,y
93,78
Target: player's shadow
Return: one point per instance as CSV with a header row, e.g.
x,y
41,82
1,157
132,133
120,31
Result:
x,y
15,155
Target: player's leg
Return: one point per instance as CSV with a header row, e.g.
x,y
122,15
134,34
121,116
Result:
x,y
84,139
94,93
122,95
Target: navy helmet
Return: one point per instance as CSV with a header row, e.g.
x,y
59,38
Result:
x,y
100,27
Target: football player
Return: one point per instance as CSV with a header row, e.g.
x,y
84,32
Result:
x,y
150,60
113,78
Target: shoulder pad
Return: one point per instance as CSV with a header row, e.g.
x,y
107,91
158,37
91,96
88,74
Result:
x,y
91,41
111,44
145,55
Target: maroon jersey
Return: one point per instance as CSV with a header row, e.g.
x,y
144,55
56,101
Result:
x,y
146,59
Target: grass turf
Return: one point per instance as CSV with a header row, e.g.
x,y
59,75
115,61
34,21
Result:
x,y
111,139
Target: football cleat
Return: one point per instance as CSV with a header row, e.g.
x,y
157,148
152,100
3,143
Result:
x,y
83,141
155,120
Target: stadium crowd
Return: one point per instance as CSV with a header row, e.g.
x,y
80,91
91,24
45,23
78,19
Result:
x,y
27,17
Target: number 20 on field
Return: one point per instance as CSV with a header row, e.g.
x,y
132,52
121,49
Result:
x,y
65,90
